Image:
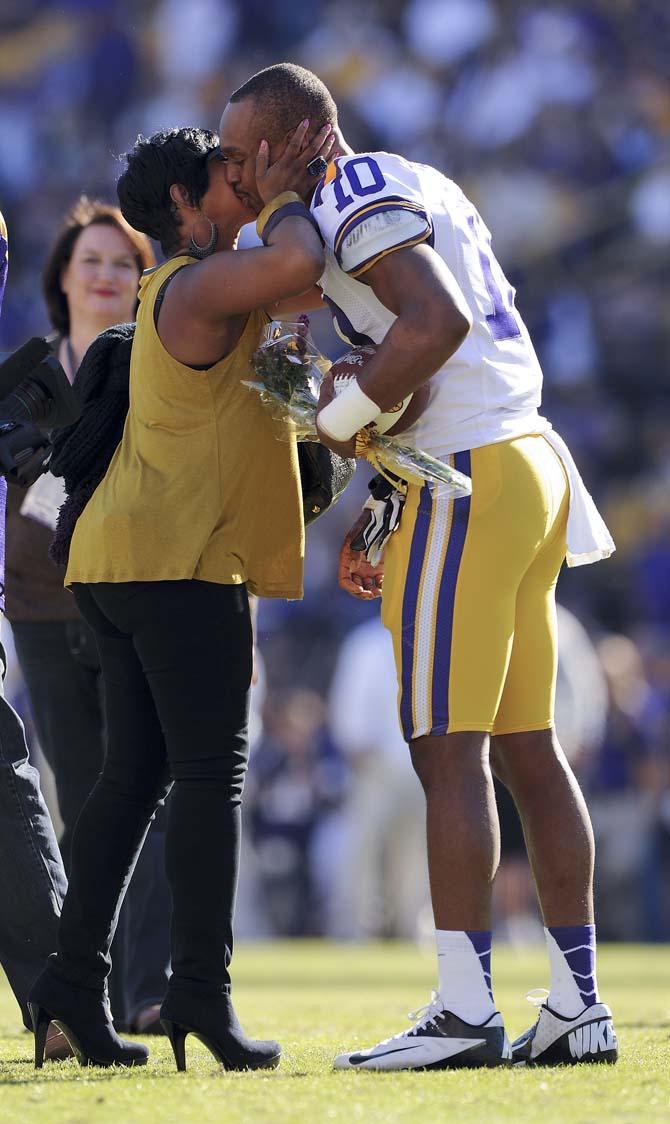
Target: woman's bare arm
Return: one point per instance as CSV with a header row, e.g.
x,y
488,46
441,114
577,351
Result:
x,y
310,301
199,320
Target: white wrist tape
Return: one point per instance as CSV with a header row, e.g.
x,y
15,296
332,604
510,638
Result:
x,y
349,411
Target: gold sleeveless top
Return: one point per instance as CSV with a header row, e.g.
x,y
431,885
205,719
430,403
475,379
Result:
x,y
199,486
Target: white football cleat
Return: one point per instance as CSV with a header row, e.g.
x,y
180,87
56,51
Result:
x,y
556,1040
439,1040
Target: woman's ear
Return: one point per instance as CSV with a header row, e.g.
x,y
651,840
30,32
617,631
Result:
x,y
179,195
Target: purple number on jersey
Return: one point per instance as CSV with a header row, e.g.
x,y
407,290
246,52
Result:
x,y
342,200
502,321
3,265
350,170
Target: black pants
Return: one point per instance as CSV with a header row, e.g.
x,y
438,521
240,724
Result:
x,y
176,665
32,878
60,664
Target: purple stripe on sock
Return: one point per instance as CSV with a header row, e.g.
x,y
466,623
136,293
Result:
x,y
481,942
578,945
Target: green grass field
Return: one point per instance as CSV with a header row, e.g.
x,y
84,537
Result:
x,y
320,998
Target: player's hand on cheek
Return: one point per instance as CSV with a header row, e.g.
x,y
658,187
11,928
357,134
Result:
x,y
355,574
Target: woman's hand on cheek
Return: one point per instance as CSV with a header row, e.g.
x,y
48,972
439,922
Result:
x,y
289,172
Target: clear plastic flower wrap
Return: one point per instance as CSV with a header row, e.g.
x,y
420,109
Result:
x,y
289,371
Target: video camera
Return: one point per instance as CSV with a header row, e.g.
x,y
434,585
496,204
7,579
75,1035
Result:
x,y
35,396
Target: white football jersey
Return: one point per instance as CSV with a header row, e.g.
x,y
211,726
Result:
x,y
373,203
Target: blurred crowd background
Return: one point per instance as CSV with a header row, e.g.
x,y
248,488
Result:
x,y
555,119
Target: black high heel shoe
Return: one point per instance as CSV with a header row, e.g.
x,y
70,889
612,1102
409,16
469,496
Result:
x,y
84,1019
212,1019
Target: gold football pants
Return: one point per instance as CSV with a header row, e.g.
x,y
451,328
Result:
x,y
469,594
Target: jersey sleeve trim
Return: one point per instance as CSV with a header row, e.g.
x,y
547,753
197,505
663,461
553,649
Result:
x,y
369,262
389,203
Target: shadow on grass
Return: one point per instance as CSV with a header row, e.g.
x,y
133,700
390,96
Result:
x,y
54,1074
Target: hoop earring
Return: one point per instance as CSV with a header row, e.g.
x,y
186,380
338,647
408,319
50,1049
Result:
x,y
204,251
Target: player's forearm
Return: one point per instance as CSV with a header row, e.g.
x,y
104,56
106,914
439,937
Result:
x,y
416,346
432,321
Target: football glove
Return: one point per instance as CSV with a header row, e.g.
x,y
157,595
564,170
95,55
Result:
x,y
384,508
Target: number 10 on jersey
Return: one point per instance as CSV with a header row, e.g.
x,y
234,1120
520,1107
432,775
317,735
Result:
x,y
364,177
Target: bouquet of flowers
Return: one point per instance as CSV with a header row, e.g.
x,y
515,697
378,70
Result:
x,y
289,371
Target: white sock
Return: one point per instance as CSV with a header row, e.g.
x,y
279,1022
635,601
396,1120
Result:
x,y
462,961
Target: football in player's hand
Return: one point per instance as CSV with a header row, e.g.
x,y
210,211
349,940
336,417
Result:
x,y
392,422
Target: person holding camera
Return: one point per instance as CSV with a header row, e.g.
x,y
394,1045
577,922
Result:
x,y
32,878
200,507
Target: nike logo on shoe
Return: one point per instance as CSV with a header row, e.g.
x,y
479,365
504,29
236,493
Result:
x,y
357,1059
448,1049
440,1040
592,1038
558,1040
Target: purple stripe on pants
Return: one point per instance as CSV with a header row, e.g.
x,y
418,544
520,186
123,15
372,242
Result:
x,y
409,604
445,604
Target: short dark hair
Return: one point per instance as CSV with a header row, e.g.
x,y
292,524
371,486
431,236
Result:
x,y
85,212
286,94
152,166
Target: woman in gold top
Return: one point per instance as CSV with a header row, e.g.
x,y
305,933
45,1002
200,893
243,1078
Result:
x,y
200,504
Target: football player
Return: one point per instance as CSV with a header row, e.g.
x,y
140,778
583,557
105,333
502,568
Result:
x,y
468,584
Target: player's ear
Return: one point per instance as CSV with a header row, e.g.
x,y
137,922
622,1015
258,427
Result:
x,y
305,141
